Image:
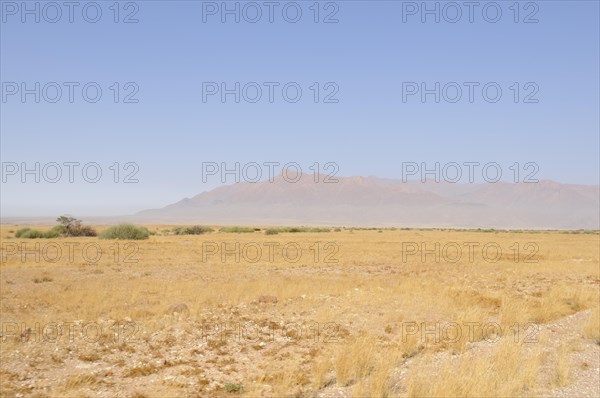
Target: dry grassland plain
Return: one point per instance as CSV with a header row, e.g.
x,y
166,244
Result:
x,y
345,313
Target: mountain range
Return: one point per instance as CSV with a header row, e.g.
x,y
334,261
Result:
x,y
373,201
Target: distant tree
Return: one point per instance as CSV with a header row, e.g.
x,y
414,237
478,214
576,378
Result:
x,y
70,225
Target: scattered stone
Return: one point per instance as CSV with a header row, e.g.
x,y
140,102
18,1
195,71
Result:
x,y
267,299
178,309
25,334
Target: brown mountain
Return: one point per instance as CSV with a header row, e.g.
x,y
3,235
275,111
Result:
x,y
372,201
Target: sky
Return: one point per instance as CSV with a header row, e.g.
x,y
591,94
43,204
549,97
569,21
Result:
x,y
361,67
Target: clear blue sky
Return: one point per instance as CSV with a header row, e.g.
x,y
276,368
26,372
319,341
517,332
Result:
x,y
369,53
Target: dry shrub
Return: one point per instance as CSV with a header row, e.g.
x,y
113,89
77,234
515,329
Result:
x,y
143,370
321,369
591,329
80,380
354,360
379,383
561,367
562,300
509,370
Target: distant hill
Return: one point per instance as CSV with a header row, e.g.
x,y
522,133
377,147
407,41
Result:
x,y
372,201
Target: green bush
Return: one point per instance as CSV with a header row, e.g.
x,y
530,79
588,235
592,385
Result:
x,y
28,233
236,229
193,230
21,232
197,230
179,231
305,229
59,229
233,388
126,231
53,233
33,234
74,229
271,231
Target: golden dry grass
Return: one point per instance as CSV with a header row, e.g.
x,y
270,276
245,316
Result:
x,y
591,329
349,315
507,371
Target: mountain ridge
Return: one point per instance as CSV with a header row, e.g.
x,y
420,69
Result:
x,y
374,201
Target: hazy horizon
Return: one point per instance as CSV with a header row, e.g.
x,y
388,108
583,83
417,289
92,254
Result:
x,y
135,208
331,200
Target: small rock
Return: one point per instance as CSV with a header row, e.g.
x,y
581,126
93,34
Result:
x,y
267,299
25,334
180,308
